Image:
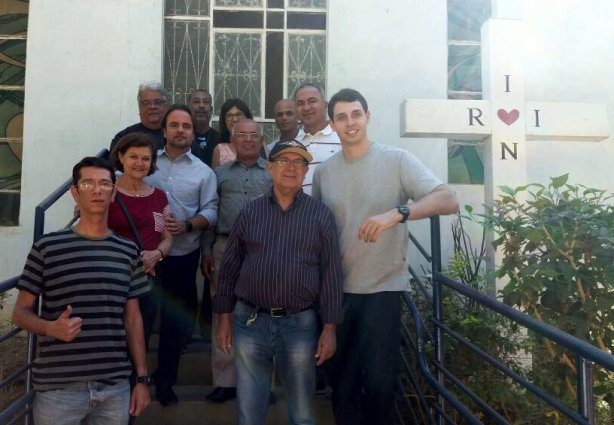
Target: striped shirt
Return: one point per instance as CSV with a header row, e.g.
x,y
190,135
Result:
x,y
322,145
287,259
95,276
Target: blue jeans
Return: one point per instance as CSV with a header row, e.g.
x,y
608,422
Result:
x,y
91,403
291,340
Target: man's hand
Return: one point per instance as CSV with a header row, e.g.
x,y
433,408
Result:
x,y
175,227
65,328
223,334
150,259
372,227
139,399
207,267
327,344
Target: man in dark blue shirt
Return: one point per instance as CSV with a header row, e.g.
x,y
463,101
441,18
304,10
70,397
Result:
x,y
280,269
152,107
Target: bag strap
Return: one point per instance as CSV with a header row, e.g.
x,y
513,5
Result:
x,y
137,235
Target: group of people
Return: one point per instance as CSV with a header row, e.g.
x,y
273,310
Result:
x,y
300,239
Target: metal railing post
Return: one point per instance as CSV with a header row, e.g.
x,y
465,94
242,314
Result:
x,y
437,308
585,389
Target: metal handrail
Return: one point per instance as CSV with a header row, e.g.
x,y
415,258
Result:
x,y
588,351
434,371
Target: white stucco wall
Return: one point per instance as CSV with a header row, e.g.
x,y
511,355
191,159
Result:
x,y
569,59
85,60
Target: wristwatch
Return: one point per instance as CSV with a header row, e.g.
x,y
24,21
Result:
x,y
144,379
188,226
404,211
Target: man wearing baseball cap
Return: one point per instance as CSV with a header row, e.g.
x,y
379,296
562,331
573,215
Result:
x,y
281,268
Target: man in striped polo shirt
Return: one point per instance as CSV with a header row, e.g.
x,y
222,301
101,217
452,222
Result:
x,y
281,268
319,137
89,281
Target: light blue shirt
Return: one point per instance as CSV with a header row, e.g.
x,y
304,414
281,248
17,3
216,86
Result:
x,y
191,189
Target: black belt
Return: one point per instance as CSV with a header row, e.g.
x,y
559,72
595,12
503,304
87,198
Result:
x,y
275,312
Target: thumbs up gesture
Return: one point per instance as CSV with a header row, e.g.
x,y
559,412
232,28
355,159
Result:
x,y
65,328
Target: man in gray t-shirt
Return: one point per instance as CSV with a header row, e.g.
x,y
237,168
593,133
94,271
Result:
x,y
371,189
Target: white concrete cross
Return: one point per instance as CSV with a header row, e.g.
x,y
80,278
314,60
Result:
x,y
504,120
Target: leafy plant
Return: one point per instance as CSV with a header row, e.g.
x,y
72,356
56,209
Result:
x,y
558,254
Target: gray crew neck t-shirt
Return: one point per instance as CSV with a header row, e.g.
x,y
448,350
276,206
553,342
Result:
x,y
354,190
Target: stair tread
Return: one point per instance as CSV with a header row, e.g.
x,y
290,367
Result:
x,y
194,408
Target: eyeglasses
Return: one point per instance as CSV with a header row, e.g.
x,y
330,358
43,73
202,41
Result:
x,y
248,135
148,103
237,115
286,162
90,185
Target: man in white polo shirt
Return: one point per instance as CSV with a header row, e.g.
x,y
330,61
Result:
x,y
320,139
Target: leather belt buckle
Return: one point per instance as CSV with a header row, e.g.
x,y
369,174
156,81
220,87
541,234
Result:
x,y
278,312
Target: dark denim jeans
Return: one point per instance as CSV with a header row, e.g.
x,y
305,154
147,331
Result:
x,y
291,341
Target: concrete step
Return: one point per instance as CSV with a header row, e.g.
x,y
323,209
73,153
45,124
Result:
x,y
193,408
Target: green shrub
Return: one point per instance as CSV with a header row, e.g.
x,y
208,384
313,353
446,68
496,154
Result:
x,y
558,255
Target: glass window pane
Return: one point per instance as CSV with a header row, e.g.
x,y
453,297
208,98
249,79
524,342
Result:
x,y
9,207
237,19
307,4
464,68
186,62
12,62
238,69
270,131
307,21
242,3
465,162
465,18
274,87
187,7
14,23
275,4
306,60
275,20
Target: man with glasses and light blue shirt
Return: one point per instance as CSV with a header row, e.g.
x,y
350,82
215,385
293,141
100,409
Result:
x,y
89,280
281,269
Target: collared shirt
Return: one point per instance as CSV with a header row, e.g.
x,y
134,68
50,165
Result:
x,y
322,145
203,145
289,259
299,136
191,189
236,186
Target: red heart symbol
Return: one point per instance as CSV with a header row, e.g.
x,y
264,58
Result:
x,y
508,117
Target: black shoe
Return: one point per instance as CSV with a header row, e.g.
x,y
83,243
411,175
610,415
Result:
x,y
222,394
166,396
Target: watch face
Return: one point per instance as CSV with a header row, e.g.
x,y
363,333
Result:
x,y
144,380
404,211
